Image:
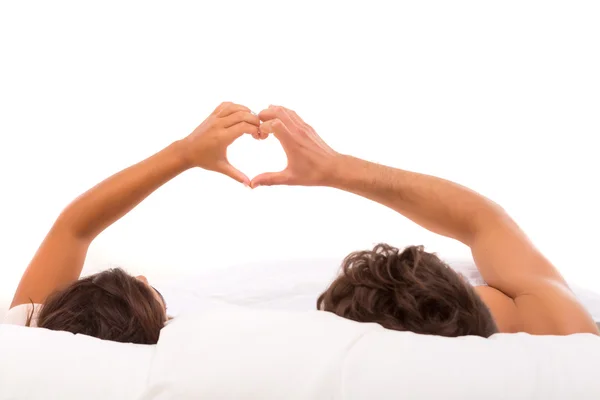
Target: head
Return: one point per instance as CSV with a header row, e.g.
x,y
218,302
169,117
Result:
x,y
409,290
110,305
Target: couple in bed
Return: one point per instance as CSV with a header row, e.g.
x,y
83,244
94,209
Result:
x,y
405,290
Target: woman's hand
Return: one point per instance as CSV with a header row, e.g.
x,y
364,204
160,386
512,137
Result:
x,y
206,146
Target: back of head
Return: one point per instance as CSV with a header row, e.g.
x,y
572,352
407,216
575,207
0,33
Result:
x,y
409,290
110,305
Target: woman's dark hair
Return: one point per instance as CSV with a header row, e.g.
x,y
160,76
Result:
x,y
110,305
409,290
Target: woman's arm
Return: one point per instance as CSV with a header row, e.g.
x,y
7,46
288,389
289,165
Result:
x,y
61,256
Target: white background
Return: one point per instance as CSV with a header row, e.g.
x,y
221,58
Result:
x,y
500,96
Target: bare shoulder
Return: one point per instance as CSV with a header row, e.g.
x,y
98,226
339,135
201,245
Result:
x,y
527,292
549,307
502,307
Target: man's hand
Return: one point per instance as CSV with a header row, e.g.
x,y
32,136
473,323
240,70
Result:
x,y
206,146
311,162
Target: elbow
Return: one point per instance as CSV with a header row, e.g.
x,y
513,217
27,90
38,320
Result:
x,y
68,223
489,215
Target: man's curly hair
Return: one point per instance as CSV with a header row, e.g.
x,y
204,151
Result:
x,y
409,290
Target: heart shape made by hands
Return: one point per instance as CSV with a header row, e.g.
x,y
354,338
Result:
x,y
254,157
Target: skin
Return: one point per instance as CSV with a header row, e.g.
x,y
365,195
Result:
x,y
60,258
526,293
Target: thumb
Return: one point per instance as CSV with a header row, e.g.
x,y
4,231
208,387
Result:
x,y
270,179
234,173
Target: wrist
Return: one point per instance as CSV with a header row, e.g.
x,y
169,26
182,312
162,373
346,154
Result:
x,y
344,169
181,155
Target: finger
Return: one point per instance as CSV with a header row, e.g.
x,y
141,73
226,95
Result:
x,y
276,127
263,132
267,114
221,106
239,116
296,118
300,122
262,135
232,108
238,130
255,135
234,173
277,112
271,179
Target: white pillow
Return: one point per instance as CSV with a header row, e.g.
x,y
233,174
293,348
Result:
x,y
260,354
42,364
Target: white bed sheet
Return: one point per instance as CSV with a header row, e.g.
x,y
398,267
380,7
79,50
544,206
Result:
x,y
286,285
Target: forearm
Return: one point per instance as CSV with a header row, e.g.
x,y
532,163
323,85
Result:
x,y
98,208
438,205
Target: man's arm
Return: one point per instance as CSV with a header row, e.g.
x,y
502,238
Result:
x,y
537,294
60,258
451,210
506,258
